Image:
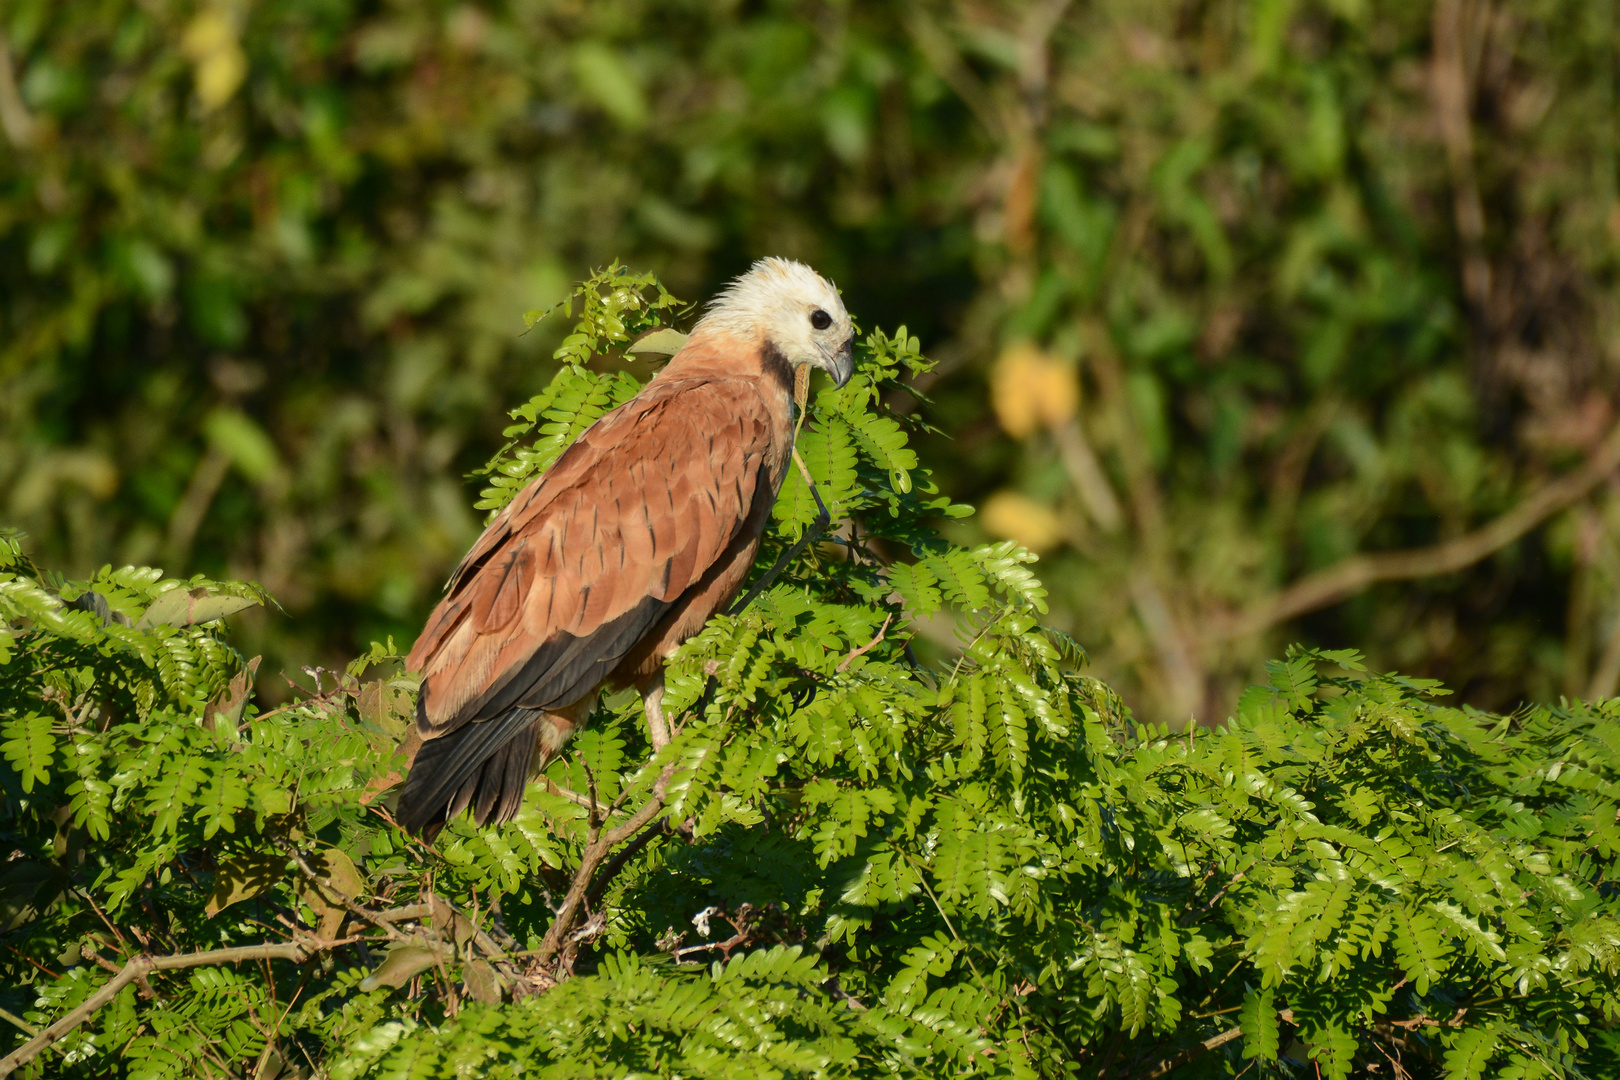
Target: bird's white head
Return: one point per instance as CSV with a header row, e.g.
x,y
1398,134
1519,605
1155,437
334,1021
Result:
x,y
795,311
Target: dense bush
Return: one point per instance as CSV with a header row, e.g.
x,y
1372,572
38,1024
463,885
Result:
x,y
1308,280
846,862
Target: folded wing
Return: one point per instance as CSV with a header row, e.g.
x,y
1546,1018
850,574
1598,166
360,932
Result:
x,y
575,572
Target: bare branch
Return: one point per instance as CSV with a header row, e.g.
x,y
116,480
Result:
x,y
407,913
1175,1061
143,965
843,665
17,1021
1350,576
1453,102
596,850
652,703
443,911
619,860
1141,478
1606,677
1087,476
206,480
739,938
1184,676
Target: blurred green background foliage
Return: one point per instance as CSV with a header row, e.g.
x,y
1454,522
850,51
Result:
x,y
1227,295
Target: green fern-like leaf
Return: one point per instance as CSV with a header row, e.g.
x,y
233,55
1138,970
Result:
x,y
217,803
1471,1052
1261,1032
1007,565
1421,947
1295,679
28,748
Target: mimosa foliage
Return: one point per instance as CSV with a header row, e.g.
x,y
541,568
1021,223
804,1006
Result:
x,y
863,865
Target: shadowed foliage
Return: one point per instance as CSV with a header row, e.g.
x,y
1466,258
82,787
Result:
x,y
846,861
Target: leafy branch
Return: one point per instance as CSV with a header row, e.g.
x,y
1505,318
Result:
x,y
935,867
599,844
1176,1061
143,965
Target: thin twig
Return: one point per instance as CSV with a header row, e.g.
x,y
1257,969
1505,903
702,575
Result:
x,y
270,1035
843,665
17,1021
839,993
499,953
739,938
1192,916
87,898
482,938
358,910
97,959
1350,576
967,953
553,788
611,869
1606,675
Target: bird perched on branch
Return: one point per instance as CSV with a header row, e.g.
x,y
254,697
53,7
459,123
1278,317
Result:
x,y
601,567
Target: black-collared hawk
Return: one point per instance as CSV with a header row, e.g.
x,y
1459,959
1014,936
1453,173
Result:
x,y
601,567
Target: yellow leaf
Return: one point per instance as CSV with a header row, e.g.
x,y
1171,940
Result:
x,y
388,705
1012,516
661,342
1030,387
210,43
186,607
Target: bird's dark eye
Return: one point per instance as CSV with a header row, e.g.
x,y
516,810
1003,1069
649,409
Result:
x,y
820,319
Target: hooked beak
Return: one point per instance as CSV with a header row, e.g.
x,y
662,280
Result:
x,y
841,364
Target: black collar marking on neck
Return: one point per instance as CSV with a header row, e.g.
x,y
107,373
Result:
x,y
777,367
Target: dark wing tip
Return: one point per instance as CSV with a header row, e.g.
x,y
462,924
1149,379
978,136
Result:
x,y
489,756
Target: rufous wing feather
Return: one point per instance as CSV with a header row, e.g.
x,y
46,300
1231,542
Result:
x,y
570,577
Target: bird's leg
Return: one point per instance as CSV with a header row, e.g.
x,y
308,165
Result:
x,y
652,700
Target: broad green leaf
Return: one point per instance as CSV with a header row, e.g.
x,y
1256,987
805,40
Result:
x,y
183,607
244,876
402,963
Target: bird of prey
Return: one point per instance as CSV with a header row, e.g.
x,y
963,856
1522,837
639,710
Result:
x,y
601,567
